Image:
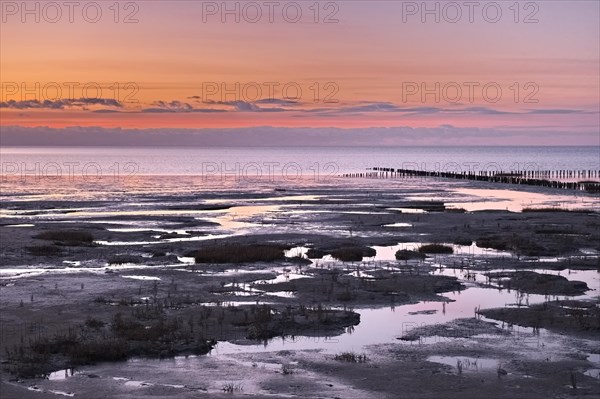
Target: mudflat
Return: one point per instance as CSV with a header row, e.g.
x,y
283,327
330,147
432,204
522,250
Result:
x,y
312,291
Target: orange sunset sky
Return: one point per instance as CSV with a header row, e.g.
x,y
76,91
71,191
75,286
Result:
x,y
346,64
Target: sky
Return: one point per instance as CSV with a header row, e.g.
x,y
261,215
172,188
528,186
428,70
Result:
x,y
526,70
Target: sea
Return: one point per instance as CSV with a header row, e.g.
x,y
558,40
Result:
x,y
285,161
123,173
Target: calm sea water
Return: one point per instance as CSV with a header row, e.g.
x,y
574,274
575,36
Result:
x,y
268,161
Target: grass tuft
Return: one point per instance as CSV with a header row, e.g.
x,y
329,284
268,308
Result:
x,y
67,236
405,254
351,357
435,249
352,254
230,387
240,253
44,250
123,259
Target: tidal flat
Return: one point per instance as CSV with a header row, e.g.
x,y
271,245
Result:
x,y
338,289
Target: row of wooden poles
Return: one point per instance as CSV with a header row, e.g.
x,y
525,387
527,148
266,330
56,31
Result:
x,y
541,178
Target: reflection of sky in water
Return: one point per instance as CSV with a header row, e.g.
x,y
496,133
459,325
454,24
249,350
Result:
x,y
233,218
515,201
385,325
178,239
467,363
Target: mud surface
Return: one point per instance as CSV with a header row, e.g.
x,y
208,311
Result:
x,y
258,293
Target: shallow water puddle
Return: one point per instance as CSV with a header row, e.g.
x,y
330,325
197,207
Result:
x,y
72,262
144,229
594,373
238,303
144,278
386,325
360,273
61,374
593,358
388,253
462,363
243,289
19,225
590,277
137,384
61,393
21,272
281,294
237,217
35,388
282,198
512,200
249,289
175,239
85,213
284,277
341,211
408,210
296,252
